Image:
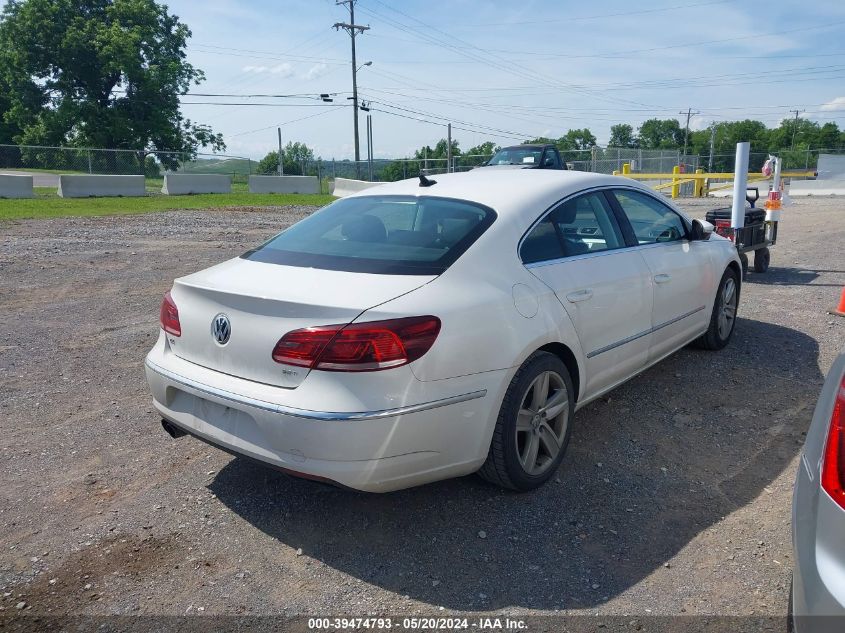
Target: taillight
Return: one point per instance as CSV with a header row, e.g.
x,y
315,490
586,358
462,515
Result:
x,y
169,316
833,466
360,346
723,228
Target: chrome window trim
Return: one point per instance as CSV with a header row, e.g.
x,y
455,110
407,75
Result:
x,y
307,414
652,330
548,210
613,251
597,188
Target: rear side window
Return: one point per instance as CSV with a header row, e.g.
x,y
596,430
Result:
x,y
583,225
380,234
551,159
587,225
542,243
651,220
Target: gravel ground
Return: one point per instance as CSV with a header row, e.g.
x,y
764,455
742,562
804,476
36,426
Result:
x,y
674,497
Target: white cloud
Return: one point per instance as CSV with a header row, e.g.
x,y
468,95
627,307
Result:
x,y
698,123
316,71
837,104
283,70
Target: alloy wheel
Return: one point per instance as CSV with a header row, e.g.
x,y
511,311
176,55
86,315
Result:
x,y
542,422
727,308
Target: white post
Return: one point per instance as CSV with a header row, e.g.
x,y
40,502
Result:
x,y
776,178
449,150
740,185
281,158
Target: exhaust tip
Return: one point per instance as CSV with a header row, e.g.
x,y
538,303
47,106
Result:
x,y
172,430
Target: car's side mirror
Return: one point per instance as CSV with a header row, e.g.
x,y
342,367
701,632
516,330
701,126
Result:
x,y
701,230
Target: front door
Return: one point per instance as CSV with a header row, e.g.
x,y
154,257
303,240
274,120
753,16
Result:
x,y
678,267
579,251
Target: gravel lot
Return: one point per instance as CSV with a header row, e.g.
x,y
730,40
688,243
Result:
x,y
674,497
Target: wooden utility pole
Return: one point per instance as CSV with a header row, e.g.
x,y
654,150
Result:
x,y
689,114
795,125
281,169
712,145
353,30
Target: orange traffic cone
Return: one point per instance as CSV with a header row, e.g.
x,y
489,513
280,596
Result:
x,y
840,310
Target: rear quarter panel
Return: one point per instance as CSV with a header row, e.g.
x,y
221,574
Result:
x,y
494,313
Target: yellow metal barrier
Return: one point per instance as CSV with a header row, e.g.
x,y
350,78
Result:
x,y
700,178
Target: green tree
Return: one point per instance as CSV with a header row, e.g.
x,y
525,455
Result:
x,y
398,170
830,137
296,156
439,150
660,134
576,139
622,135
99,73
487,148
572,140
540,140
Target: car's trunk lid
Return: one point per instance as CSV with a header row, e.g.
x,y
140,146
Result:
x,y
263,302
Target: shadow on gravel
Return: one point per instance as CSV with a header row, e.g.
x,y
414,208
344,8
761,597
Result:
x,y
777,276
664,457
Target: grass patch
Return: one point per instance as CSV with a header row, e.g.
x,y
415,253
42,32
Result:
x,y
49,205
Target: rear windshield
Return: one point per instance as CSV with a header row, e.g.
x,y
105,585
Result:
x,y
517,156
397,235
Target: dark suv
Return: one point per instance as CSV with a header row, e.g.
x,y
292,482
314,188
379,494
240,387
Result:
x,y
528,157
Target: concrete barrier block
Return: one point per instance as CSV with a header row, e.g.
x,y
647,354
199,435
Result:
x,y
817,187
183,184
284,184
14,186
345,186
88,186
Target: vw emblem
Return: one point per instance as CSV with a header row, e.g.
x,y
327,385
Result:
x,y
221,329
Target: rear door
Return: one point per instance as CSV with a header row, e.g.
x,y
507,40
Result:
x,y
679,269
579,251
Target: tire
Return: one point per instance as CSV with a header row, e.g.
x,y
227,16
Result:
x,y
743,259
722,322
520,456
790,614
762,257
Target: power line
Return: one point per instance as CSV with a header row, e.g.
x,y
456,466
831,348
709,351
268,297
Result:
x,y
628,52
440,125
483,56
310,116
235,52
253,103
604,16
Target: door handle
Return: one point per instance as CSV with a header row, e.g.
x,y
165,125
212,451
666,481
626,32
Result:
x,y
662,278
580,295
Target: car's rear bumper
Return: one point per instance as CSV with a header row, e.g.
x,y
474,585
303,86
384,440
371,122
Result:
x,y
377,450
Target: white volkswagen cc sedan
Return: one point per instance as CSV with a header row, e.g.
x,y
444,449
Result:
x,y
427,329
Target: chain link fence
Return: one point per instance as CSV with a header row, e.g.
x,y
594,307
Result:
x,y
56,160
153,165
597,159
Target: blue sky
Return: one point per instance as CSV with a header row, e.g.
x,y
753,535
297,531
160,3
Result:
x,y
507,70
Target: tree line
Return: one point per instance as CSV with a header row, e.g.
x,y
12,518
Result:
x,y
794,141
98,73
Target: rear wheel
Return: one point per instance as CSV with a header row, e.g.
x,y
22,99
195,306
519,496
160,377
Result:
x,y
762,257
723,317
533,427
